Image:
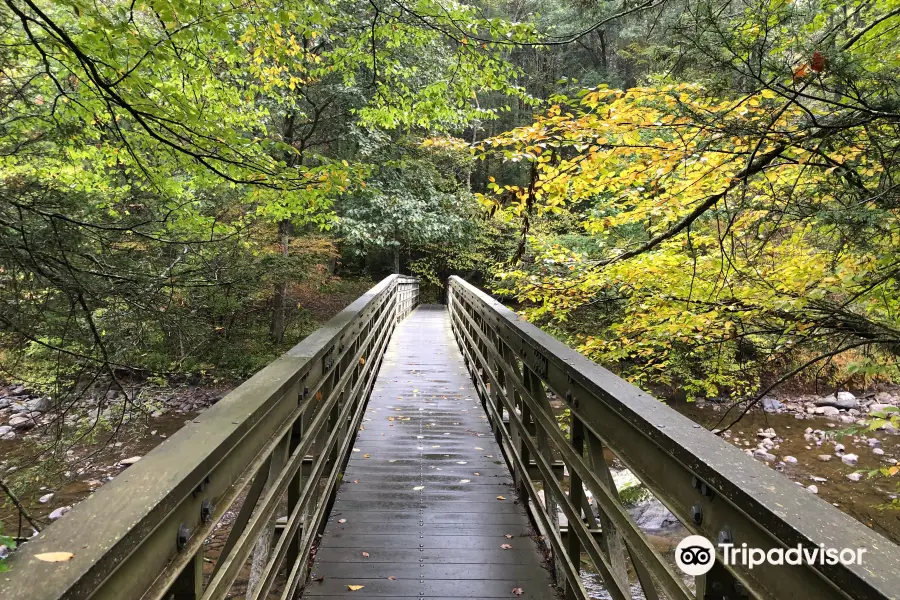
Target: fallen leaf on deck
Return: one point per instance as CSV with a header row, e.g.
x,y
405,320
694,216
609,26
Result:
x,y
506,546
353,588
362,360
418,487
392,578
367,456
500,498
366,554
464,480
342,520
508,536
54,556
517,591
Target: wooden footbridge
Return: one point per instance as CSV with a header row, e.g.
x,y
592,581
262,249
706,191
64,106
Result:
x,y
407,451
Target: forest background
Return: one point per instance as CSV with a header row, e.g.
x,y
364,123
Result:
x,y
698,194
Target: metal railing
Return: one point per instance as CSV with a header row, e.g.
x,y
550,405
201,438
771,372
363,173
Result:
x,y
715,489
275,446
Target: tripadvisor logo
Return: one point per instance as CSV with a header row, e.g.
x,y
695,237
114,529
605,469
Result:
x,y
695,555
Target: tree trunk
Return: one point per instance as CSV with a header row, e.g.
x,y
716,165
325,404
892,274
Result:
x,y
397,259
277,325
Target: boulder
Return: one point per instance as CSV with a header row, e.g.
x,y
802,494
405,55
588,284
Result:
x,y
127,462
850,459
813,489
790,460
771,404
854,476
828,411
59,512
763,455
20,422
877,407
824,457
45,498
877,451
844,400
38,405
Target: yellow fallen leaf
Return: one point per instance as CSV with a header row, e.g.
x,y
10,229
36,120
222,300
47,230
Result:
x,y
353,588
500,498
365,554
366,456
54,556
362,361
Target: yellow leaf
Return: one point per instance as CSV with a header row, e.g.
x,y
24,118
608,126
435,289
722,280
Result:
x,y
353,588
54,556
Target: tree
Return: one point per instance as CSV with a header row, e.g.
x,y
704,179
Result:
x,y
722,225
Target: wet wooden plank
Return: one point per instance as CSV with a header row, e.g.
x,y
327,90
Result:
x,y
420,493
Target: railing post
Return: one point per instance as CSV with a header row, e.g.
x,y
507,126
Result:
x,y
189,584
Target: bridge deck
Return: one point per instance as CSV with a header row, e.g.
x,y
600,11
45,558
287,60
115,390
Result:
x,y
426,502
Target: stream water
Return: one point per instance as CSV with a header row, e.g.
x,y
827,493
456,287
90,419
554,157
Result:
x,y
867,500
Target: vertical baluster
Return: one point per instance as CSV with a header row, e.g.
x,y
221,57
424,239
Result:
x,y
189,584
535,387
576,495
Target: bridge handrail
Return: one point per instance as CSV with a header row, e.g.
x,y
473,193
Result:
x,y
283,434
714,489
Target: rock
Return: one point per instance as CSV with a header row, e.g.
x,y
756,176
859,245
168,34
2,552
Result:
x,y
651,515
20,422
4,429
877,451
9,435
127,462
844,400
854,476
19,390
824,457
828,411
850,459
40,405
59,512
770,404
45,498
884,398
873,442
763,455
878,407
838,448
767,434
18,408
5,402
813,489
790,459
